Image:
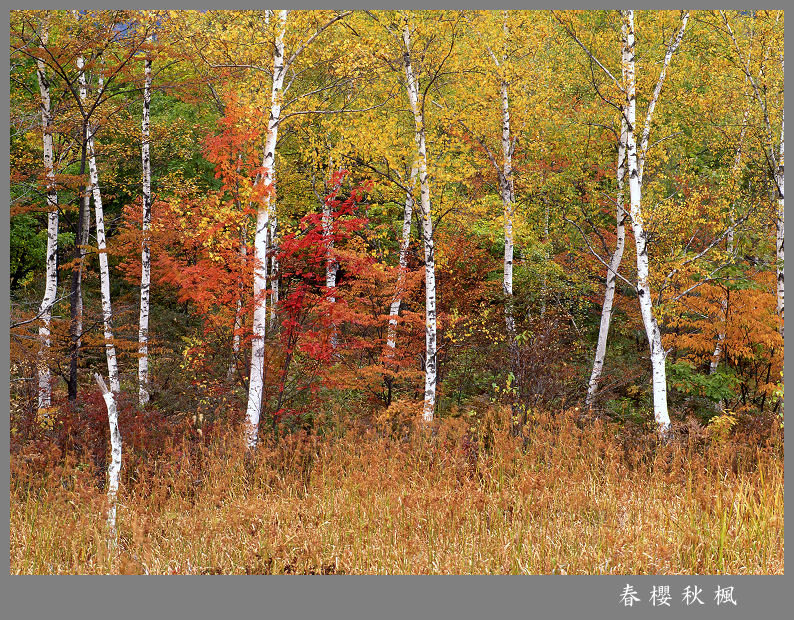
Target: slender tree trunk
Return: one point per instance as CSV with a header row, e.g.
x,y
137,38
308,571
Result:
x,y
114,466
104,271
76,290
274,278
238,315
427,230
51,281
779,247
652,331
508,201
264,180
614,265
399,289
143,325
328,234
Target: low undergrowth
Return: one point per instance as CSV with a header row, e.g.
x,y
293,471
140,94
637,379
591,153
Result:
x,y
562,495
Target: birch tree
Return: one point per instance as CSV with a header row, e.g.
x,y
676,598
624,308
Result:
x,y
51,275
114,467
266,206
612,270
636,163
260,249
635,153
402,267
143,323
104,271
427,227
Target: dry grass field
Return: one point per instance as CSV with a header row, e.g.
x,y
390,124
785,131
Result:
x,y
562,496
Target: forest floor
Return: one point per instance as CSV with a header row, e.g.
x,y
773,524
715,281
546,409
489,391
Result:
x,y
562,496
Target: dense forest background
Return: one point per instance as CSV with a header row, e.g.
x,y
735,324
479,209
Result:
x,y
276,225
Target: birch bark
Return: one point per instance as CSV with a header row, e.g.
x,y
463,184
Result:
x,y
274,278
652,331
104,271
143,323
427,230
779,245
115,457
508,198
399,290
614,265
265,179
51,277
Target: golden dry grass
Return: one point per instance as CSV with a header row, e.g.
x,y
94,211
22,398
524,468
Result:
x,y
564,497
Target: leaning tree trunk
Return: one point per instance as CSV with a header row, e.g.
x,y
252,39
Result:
x,y
652,331
114,466
427,230
399,289
263,184
143,324
51,278
104,270
612,271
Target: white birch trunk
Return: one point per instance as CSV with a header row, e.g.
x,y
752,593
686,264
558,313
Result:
x,y
114,466
612,271
143,324
780,221
328,230
274,280
427,230
256,383
672,46
508,199
104,271
51,277
652,331
399,289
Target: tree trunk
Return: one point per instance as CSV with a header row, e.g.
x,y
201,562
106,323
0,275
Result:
x,y
238,315
115,457
143,325
508,201
779,226
104,271
76,290
614,265
399,290
51,281
427,230
274,279
652,331
264,181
